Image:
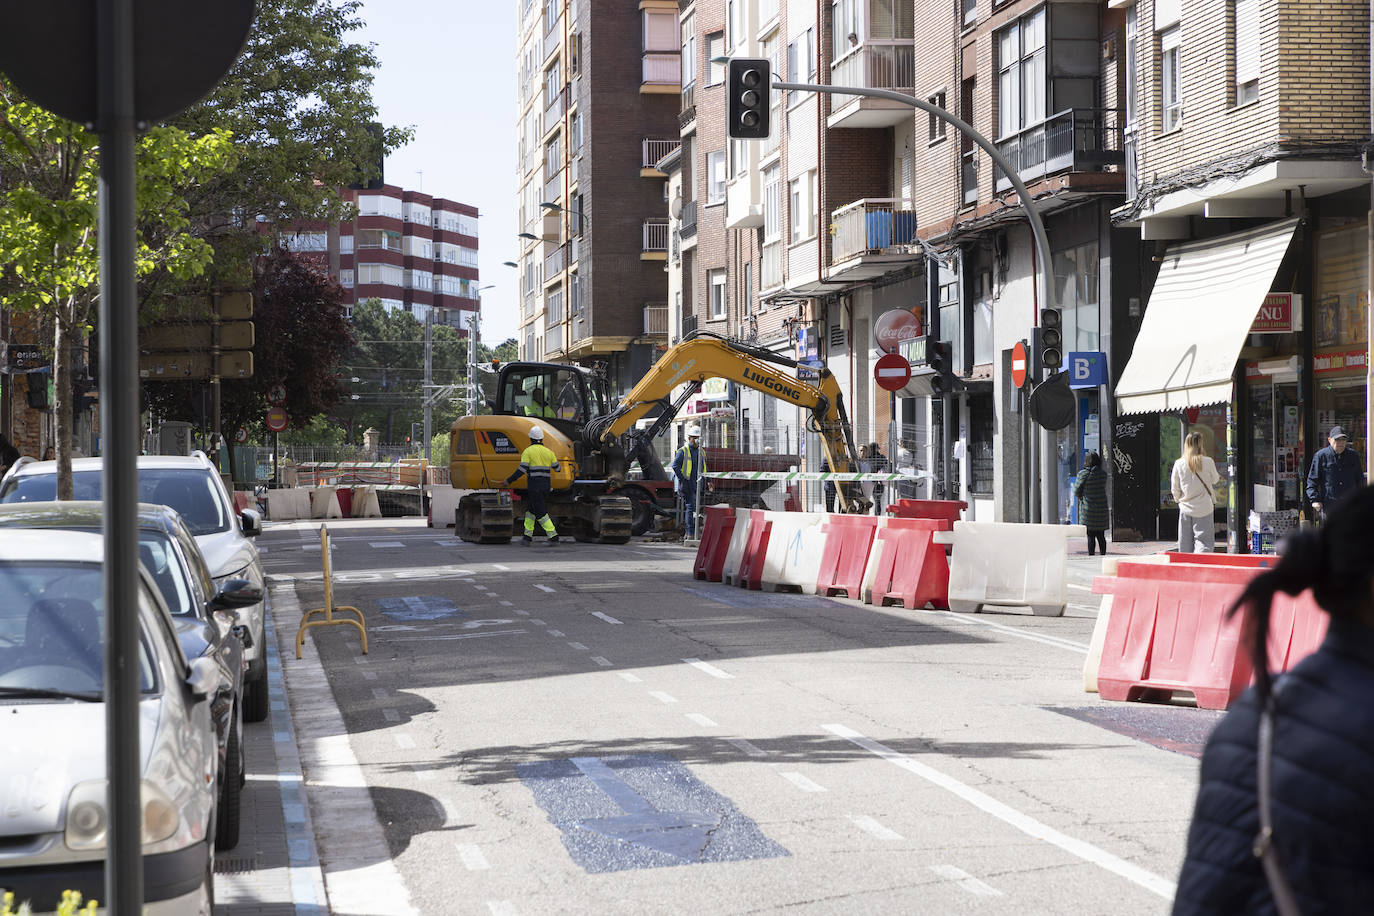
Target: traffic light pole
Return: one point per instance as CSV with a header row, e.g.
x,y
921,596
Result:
x,y
1042,244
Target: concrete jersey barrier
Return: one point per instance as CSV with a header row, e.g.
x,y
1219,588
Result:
x,y
1005,563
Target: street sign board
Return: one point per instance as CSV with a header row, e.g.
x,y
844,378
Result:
x,y
892,371
892,327
277,394
1019,364
232,335
1087,369
234,306
180,366
277,419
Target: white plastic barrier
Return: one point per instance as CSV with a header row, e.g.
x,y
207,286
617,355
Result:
x,y
365,503
795,545
443,505
1104,616
1004,563
739,539
287,504
324,502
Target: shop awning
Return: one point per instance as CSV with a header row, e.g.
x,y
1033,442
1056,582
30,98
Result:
x,y
1204,302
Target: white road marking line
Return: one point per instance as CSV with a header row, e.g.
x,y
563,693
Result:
x,y
966,881
542,588
472,858
1003,812
480,588
801,782
508,604
602,661
708,668
464,636
1082,588
557,633
379,544
502,908
422,773
627,676
391,715
404,741
521,613
1057,642
703,721
537,622
662,697
578,646
500,567
369,675
380,693
748,747
606,617
871,826
447,809
360,659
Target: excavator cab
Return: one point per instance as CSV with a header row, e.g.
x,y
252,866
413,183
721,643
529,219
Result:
x,y
567,395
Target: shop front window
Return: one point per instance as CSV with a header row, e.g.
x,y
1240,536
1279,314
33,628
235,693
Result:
x,y
1340,356
1173,428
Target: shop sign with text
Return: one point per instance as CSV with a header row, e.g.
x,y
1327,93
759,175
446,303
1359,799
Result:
x,y
1279,313
1341,360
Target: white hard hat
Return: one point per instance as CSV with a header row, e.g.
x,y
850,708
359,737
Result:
x,y
694,430
536,434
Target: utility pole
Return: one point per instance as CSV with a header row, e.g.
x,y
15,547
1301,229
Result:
x,y
429,380
473,331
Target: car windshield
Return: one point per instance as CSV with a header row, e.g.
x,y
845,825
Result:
x,y
52,630
192,492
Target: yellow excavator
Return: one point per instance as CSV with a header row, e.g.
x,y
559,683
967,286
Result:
x,y
592,497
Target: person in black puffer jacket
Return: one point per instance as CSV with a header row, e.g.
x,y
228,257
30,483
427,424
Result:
x,y
1322,783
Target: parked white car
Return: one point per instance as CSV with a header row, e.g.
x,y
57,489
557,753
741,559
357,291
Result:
x,y
53,828
192,486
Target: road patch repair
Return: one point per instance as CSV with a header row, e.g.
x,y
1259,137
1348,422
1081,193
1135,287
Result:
x,y
641,811
419,607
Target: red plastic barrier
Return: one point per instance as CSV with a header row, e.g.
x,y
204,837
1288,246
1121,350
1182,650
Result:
x,y
911,569
947,509
242,500
1296,628
755,550
1169,632
345,495
1249,560
717,528
848,541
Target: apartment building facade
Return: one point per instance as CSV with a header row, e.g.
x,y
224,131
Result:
x,y
592,290
409,250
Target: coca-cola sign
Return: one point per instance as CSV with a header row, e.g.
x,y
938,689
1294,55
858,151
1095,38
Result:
x,y
891,328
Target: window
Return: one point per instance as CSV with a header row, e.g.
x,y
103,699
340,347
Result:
x,y
736,34
689,50
937,124
801,60
1170,96
1076,286
385,274
716,281
772,204
846,31
346,279
575,133
345,244
467,225
1021,74
660,31
553,84
795,204
1247,39
715,47
575,53
715,177
970,12
739,158
307,241
1132,75
748,287
414,246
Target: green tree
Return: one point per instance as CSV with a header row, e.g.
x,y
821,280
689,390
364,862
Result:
x,y
49,251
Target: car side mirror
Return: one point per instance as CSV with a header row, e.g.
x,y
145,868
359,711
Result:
x,y
236,593
203,679
250,521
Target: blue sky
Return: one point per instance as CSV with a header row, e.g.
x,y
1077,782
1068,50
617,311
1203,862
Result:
x,y
448,70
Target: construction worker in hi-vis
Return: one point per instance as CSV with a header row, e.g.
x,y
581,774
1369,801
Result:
x,y
537,464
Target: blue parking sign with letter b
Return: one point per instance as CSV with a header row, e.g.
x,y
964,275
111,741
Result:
x,y
1087,369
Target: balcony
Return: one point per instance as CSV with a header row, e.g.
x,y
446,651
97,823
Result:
x,y
875,64
870,238
527,311
554,110
653,151
656,320
1074,140
661,72
554,262
655,240
553,308
687,222
688,116
770,271
553,188
574,250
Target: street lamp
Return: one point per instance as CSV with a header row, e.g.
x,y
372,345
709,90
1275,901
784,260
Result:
x,y
474,339
582,218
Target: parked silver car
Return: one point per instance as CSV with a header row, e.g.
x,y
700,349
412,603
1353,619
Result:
x,y
204,613
53,833
192,486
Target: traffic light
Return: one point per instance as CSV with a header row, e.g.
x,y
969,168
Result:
x,y
940,357
1049,347
748,82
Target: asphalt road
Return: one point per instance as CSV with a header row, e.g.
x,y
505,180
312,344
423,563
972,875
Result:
x,y
588,729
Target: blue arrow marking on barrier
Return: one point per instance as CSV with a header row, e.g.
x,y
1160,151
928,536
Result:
x,y
419,607
795,545
684,834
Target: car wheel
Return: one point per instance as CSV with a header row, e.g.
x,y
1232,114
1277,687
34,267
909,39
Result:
x,y
230,795
255,697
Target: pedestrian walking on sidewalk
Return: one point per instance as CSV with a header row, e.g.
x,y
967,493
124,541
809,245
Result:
x,y
1335,472
1284,803
688,465
1193,483
537,464
1090,488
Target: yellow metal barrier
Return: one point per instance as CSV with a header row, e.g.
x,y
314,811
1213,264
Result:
x,y
329,608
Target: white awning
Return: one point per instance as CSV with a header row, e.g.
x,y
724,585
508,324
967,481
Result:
x,y
1204,302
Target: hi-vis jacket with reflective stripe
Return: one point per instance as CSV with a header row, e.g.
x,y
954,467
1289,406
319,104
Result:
x,y
537,462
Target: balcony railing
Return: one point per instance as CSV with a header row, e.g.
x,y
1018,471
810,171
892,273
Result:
x,y
655,150
573,164
553,188
553,111
877,64
689,99
1130,146
656,320
770,271
553,308
574,250
656,235
689,324
663,68
528,310
687,222
1076,139
872,226
968,176
554,262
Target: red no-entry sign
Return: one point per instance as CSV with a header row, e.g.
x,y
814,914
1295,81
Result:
x,y
1018,364
277,419
892,371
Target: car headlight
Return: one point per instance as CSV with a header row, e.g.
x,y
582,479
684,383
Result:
x,y
88,821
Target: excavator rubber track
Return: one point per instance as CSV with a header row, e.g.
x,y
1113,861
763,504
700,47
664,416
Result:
x,y
485,518
615,518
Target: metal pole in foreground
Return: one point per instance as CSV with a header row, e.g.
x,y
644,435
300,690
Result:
x,y
119,434
1042,240
428,396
